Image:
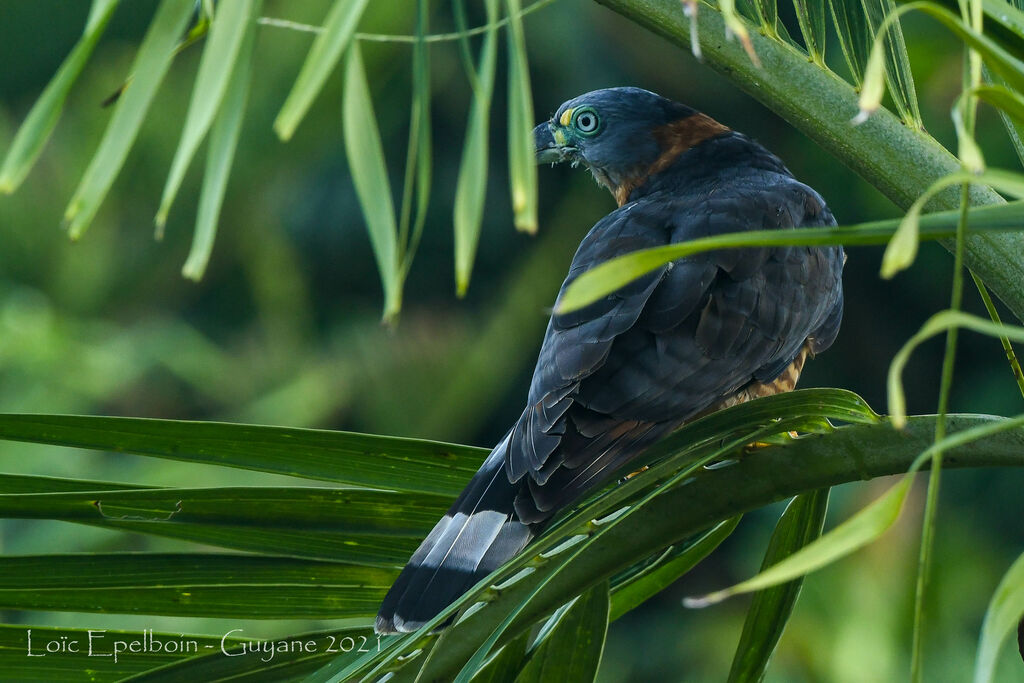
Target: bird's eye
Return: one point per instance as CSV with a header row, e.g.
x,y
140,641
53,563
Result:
x,y
586,121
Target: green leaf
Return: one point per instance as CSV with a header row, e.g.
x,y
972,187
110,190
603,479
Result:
x,y
620,271
889,35
419,156
199,585
810,14
41,120
938,323
365,155
771,608
572,650
902,249
471,186
768,15
655,578
220,153
293,657
861,529
64,665
344,457
1005,610
522,165
374,528
1001,62
328,46
505,665
854,35
227,32
151,64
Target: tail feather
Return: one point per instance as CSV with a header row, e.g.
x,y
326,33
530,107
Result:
x,y
477,535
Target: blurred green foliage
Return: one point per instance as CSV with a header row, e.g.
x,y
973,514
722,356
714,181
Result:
x,y
284,328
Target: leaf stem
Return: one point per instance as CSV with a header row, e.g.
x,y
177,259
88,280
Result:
x,y
402,38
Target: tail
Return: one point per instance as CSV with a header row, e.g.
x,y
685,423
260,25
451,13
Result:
x,y
476,536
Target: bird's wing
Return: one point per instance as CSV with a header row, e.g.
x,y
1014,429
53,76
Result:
x,y
615,376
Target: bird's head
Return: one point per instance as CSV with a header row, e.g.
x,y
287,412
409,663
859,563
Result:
x,y
623,135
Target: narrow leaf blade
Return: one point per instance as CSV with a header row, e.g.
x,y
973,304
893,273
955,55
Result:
x,y
771,608
227,127
229,28
1005,610
471,186
365,155
151,64
344,457
328,46
41,120
572,651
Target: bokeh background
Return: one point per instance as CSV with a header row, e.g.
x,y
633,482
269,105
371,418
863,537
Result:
x,y
285,327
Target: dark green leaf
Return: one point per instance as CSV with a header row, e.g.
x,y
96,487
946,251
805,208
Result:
x,y
291,658
572,649
810,15
660,575
344,457
854,35
201,585
770,609
63,664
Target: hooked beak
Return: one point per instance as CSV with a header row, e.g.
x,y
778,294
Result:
x,y
546,144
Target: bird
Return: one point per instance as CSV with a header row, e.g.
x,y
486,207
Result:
x,y
697,335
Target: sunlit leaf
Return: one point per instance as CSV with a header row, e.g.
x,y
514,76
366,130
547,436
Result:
x,y
366,162
522,167
771,608
41,120
620,271
227,32
419,156
504,666
572,650
151,64
902,249
328,46
344,457
220,153
471,187
938,323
